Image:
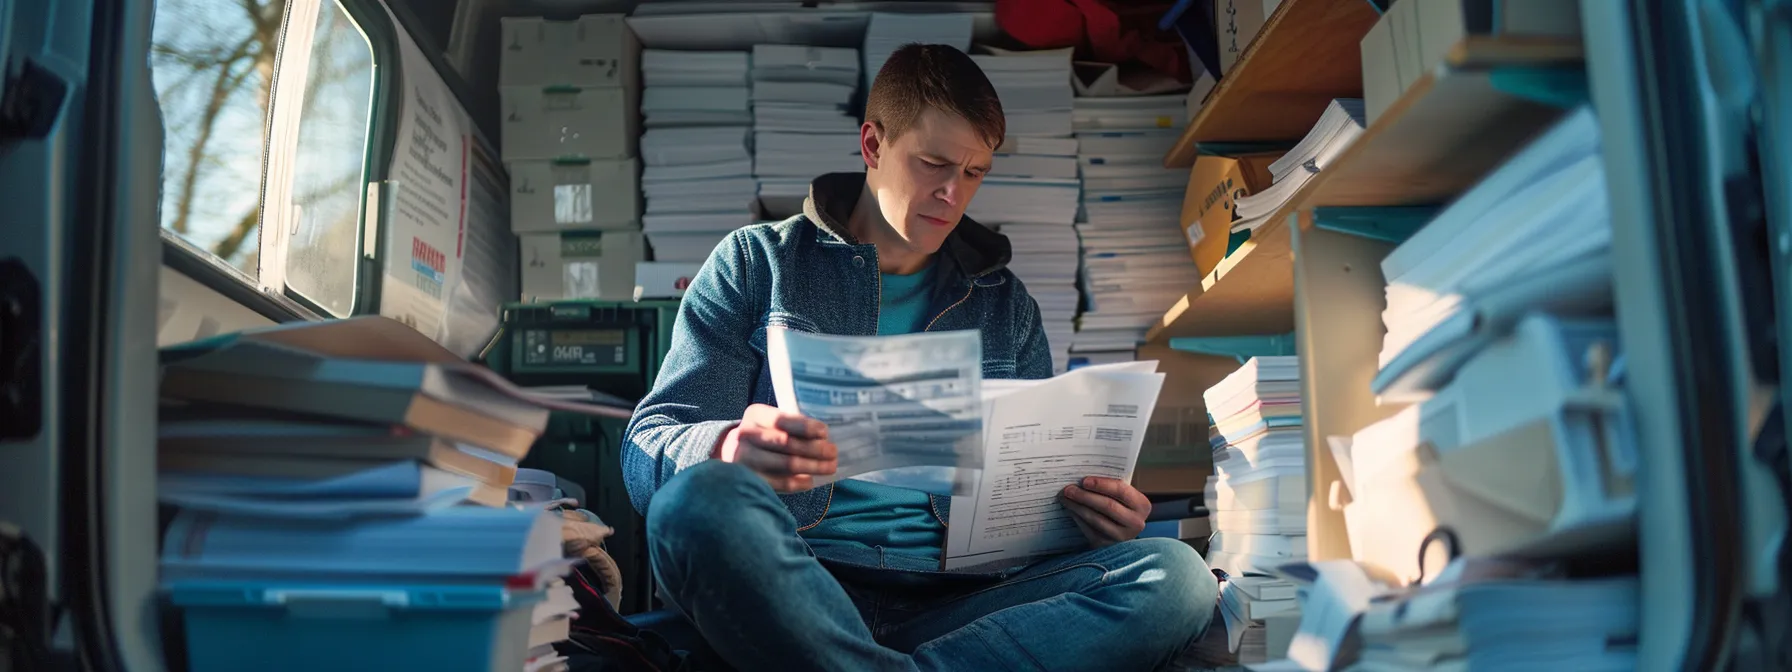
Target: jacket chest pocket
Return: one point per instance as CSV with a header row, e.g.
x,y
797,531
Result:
x,y
1001,367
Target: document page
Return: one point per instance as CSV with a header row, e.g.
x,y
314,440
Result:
x,y
911,402
1037,440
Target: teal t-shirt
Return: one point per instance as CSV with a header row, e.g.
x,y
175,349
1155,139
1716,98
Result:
x,y
870,515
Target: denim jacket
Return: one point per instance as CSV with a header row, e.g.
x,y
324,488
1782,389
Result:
x,y
808,273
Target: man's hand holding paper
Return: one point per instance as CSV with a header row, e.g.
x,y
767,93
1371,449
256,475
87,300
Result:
x,y
786,449
1107,510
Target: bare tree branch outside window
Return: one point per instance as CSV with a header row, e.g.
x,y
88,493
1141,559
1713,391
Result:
x,y
213,65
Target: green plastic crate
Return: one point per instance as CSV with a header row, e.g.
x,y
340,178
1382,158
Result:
x,y
613,346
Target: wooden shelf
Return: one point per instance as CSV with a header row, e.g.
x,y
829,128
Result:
x,y
1250,292
1306,54
1447,131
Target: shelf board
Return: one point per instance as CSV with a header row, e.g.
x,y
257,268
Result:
x,y
1448,130
1250,292
1306,54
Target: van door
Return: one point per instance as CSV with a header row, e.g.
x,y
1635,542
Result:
x,y
80,151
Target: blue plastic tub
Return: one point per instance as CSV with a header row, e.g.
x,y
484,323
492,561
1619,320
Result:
x,y
240,625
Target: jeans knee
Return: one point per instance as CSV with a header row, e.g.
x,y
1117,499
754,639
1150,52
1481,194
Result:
x,y
1183,590
709,507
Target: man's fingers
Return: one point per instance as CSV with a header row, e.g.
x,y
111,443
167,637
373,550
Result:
x,y
1102,525
1118,489
774,452
1103,504
777,440
1095,538
781,464
807,428
770,417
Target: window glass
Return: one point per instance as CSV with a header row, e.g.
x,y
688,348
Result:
x,y
328,181
212,62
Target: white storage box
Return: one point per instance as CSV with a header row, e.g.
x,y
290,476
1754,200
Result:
x,y
574,194
541,123
580,265
594,51
663,279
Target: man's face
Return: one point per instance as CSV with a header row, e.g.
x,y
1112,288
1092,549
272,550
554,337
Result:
x,y
924,179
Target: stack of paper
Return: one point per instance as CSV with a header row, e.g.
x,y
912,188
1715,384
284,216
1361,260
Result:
x,y
801,125
699,178
1533,235
1045,258
550,623
1035,88
325,455
1479,615
1258,495
1336,129
1135,259
888,32
1025,184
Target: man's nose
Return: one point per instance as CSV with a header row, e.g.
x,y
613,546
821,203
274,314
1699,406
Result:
x,y
953,191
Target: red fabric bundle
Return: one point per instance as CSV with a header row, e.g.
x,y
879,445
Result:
x,y
1098,30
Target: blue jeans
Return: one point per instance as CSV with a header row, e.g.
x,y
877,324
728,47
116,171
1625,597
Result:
x,y
727,555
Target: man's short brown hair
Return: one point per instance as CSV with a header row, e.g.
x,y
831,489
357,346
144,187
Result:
x,y
922,76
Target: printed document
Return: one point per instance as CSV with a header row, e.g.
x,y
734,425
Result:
x,y
1040,436
909,403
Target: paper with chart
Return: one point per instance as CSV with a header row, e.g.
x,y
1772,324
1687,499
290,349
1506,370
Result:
x,y
903,410
1039,438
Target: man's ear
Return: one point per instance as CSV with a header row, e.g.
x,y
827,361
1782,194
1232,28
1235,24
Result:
x,y
871,143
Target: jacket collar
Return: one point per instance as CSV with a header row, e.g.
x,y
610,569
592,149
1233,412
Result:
x,y
972,248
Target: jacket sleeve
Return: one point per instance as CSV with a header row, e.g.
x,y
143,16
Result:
x,y
706,380
1034,358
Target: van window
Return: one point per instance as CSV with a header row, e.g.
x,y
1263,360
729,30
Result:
x,y
214,65
329,167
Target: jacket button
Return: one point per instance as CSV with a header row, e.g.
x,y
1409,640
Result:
x,y
858,261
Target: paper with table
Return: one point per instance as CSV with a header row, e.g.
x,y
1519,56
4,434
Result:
x,y
908,402
1040,436
913,411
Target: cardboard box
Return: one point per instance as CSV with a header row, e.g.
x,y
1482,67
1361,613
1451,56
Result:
x,y
663,279
1214,185
545,123
574,194
593,51
1415,36
580,265
1176,457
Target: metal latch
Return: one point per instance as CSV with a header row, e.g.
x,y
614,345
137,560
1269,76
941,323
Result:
x,y
31,102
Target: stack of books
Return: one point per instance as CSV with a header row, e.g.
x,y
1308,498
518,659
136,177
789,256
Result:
x,y
1258,499
1036,92
801,126
1045,258
699,176
1135,260
1336,129
886,32
316,467
1489,614
1031,190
